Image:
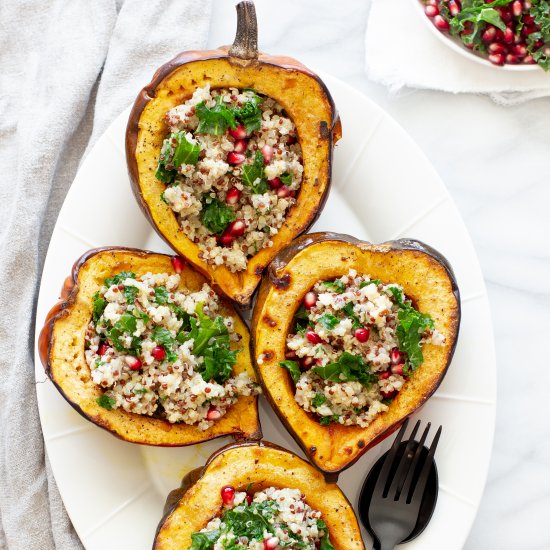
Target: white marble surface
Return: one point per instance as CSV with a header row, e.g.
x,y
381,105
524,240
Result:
x,y
496,163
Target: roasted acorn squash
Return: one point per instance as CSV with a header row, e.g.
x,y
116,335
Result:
x,y
305,99
61,346
189,508
426,278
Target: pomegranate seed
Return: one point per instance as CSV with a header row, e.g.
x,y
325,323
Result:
x,y
232,196
240,146
384,375
310,299
495,47
362,334
454,7
520,49
512,59
226,239
178,263
505,14
235,158
307,362
275,183
431,11
271,543
508,35
267,152
133,362
489,34
499,35
529,29
236,228
432,2
517,8
213,414
313,337
397,369
249,499
395,356
159,353
228,494
496,58
290,354
388,394
528,19
440,23
239,132
283,192
528,60
102,350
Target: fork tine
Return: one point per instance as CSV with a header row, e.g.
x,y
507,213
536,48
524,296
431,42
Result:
x,y
418,490
402,469
410,474
384,472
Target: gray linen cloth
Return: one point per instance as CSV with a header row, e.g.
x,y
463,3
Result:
x,y
67,68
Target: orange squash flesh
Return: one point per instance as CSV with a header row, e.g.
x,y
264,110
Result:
x,y
61,346
261,464
426,278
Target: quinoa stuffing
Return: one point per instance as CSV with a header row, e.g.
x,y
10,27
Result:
x,y
355,342
160,351
232,168
269,519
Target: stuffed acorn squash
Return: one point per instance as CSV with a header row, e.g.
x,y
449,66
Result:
x,y
229,156
350,338
255,490
141,346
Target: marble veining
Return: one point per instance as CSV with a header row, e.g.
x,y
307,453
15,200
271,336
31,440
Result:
x,y
495,163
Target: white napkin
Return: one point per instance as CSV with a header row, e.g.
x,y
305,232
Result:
x,y
66,70
401,51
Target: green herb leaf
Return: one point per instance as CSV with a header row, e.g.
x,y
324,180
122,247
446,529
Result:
x,y
204,541
411,328
253,174
348,310
205,330
166,153
218,362
250,114
185,151
106,402
335,286
98,306
215,120
371,282
127,324
328,320
326,420
302,313
130,294
215,215
161,295
347,368
164,337
119,278
140,390
318,400
286,178
293,369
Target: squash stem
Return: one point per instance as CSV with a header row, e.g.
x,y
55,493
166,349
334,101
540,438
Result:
x,y
245,45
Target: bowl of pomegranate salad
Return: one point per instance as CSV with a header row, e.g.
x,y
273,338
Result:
x,y
273,518
353,344
157,350
511,34
232,166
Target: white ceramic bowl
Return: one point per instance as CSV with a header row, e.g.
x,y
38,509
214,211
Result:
x,y
456,45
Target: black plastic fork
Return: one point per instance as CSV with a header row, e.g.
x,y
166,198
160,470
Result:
x,y
399,489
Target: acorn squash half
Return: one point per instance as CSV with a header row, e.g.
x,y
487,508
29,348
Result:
x,y
426,278
253,466
305,99
61,346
